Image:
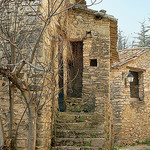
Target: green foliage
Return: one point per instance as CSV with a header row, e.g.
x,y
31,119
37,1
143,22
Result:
x,y
133,144
137,142
108,135
143,36
86,111
146,142
51,148
76,110
92,134
88,144
81,119
117,147
57,113
57,120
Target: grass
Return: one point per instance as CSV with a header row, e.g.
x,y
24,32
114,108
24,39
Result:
x,y
108,135
117,147
136,144
93,134
57,114
88,144
133,144
51,148
81,119
76,110
146,142
57,120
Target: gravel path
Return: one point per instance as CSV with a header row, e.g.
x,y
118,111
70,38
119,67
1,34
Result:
x,y
139,147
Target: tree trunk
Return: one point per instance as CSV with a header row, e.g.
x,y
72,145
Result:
x,y
32,126
1,134
11,108
12,91
32,117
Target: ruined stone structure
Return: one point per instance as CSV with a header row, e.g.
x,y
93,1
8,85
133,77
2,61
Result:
x,y
131,101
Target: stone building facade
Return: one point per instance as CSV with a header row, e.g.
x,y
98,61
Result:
x,y
86,43
131,101
90,49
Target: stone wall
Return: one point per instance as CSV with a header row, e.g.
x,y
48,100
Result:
x,y
95,33
131,119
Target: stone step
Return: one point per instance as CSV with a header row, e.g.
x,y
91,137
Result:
x,y
74,108
75,148
80,126
74,104
92,142
73,100
60,133
66,117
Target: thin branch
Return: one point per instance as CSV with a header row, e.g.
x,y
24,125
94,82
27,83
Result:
x,y
10,42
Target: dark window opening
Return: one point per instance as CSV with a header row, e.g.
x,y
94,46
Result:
x,y
134,86
93,62
88,34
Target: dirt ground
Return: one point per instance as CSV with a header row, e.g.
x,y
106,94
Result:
x,y
139,147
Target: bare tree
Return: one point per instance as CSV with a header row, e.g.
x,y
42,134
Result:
x,y
1,135
21,40
122,42
29,60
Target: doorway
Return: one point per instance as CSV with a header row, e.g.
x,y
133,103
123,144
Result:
x,y
75,71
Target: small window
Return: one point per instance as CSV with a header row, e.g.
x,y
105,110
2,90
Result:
x,y
93,62
134,86
137,86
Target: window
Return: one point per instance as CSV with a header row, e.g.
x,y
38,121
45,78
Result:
x,y
93,62
134,86
137,87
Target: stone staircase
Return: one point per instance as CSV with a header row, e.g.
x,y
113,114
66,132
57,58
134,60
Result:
x,y
77,130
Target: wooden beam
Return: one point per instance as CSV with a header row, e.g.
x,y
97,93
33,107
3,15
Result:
x,y
136,69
